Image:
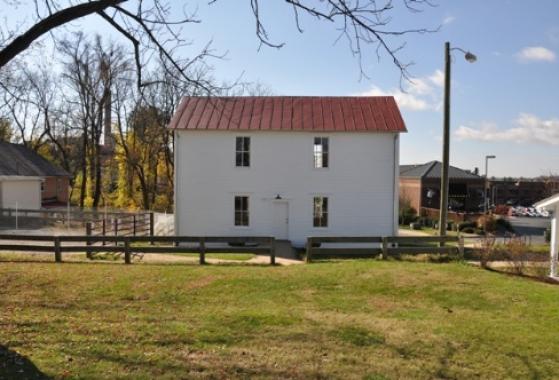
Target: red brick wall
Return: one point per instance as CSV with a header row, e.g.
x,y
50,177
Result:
x,y
55,188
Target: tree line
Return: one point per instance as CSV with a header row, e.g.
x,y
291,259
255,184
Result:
x,y
83,110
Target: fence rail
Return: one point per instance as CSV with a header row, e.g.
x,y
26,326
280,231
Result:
x,y
384,246
124,244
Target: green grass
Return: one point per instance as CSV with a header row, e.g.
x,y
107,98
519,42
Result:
x,y
352,319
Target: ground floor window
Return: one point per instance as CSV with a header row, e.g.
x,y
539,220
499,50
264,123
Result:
x,y
241,210
320,212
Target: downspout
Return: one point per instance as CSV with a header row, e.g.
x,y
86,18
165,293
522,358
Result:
x,y
395,185
175,182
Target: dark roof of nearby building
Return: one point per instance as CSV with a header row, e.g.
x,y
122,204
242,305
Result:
x,y
289,113
17,160
432,169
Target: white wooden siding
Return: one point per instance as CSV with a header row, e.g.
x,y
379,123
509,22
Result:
x,y
360,183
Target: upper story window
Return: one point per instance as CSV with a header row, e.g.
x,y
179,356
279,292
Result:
x,y
320,212
242,151
241,211
321,152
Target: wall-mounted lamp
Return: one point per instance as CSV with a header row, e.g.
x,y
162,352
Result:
x,y
278,197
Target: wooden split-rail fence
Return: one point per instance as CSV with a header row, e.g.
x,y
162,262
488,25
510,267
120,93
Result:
x,y
387,246
130,245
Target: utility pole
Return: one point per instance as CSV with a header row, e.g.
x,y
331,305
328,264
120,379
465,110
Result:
x,y
446,143
446,134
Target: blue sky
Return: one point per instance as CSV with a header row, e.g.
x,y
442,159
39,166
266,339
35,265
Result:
x,y
504,104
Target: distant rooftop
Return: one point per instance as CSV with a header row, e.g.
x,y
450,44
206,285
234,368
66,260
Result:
x,y
17,160
432,169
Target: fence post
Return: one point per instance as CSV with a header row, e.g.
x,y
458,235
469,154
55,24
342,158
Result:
x,y
151,226
88,241
104,229
127,259
272,251
384,247
308,256
57,251
461,246
202,250
133,225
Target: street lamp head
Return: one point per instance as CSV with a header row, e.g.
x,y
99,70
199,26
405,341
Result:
x,y
491,156
470,57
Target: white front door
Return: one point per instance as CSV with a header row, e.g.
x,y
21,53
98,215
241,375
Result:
x,y
280,220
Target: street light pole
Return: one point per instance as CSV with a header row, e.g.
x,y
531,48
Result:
x,y
446,143
443,210
486,183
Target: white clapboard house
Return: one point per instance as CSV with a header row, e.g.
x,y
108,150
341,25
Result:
x,y
289,167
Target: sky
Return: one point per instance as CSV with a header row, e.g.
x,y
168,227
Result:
x,y
505,104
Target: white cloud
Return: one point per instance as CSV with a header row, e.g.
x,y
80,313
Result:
x,y
406,100
437,78
529,129
421,94
535,54
448,20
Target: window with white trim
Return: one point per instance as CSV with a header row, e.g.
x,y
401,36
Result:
x,y
241,211
320,212
242,151
321,152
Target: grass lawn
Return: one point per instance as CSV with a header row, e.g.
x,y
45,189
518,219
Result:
x,y
352,319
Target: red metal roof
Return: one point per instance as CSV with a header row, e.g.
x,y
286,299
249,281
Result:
x,y
290,113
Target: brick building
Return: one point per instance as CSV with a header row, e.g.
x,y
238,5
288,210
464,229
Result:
x,y
420,185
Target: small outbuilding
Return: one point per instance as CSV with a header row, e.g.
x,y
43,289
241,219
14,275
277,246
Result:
x,y
27,180
552,204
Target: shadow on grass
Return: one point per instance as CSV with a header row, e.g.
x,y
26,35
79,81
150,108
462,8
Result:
x,y
16,366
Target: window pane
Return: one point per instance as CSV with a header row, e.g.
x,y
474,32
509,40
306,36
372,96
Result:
x,y
238,159
241,211
320,212
246,159
320,151
246,146
239,144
